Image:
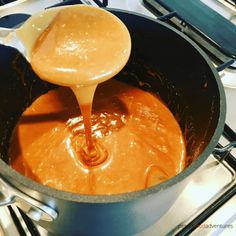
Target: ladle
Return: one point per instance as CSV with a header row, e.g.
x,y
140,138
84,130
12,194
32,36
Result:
x,y
23,38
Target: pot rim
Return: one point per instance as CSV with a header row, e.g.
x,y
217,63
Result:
x,y
7,171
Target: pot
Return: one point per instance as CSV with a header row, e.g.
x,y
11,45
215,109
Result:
x,y
163,61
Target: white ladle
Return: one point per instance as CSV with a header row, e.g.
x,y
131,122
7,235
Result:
x,y
24,38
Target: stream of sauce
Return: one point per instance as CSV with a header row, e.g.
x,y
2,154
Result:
x,y
81,47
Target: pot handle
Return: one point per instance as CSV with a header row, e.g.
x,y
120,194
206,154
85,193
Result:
x,y
222,155
34,209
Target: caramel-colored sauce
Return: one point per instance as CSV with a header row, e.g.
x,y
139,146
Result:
x,y
139,141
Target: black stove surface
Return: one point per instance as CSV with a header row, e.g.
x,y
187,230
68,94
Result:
x,y
207,21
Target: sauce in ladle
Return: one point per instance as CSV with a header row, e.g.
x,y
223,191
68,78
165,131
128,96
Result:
x,y
81,47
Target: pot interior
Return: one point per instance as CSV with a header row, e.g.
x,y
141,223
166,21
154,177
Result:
x,y
161,62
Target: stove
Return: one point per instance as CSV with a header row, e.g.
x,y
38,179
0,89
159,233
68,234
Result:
x,y
207,206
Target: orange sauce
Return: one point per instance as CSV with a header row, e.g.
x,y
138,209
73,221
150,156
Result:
x,y
139,141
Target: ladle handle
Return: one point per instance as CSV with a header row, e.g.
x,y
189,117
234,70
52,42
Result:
x,y
33,208
5,34
8,37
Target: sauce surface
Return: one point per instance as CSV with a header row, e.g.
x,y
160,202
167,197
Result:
x,y
138,141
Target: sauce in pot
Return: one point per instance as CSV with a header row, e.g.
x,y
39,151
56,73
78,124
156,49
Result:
x,y
141,140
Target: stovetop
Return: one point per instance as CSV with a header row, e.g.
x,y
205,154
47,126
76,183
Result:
x,y
203,207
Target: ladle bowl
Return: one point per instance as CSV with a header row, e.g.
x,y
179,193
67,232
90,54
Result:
x,y
19,38
25,37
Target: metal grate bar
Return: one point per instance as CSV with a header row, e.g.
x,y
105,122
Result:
x,y
229,133
208,212
100,3
167,16
225,65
